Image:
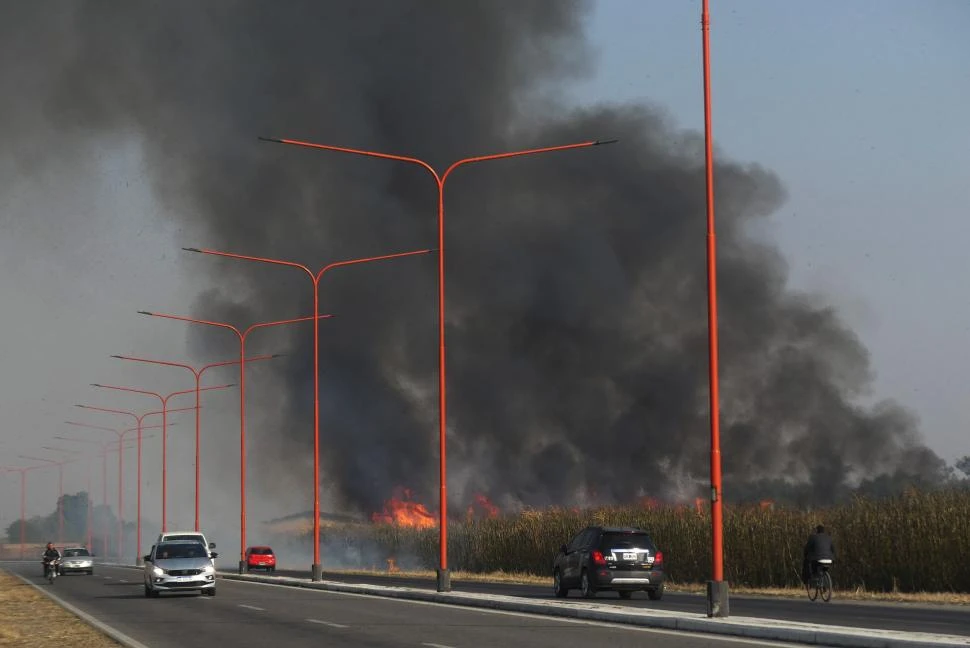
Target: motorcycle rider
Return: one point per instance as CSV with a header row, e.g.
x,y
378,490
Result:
x,y
50,554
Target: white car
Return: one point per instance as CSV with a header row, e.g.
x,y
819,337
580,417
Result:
x,y
179,566
76,559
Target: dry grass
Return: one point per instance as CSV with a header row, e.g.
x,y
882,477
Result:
x,y
950,598
31,619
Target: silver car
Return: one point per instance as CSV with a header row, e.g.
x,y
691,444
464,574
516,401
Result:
x,y
76,559
179,566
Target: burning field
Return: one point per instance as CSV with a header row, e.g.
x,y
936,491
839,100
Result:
x,y
762,541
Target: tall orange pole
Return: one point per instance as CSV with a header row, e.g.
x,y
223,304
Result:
x,y
444,578
316,569
241,335
717,589
163,399
197,373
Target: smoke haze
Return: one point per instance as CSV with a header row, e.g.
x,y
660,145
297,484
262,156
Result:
x,y
577,331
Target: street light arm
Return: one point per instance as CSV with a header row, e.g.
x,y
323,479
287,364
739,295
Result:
x,y
158,362
194,321
130,389
246,257
522,153
281,322
383,257
343,149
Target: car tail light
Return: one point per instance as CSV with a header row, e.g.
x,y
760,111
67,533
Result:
x,y
598,558
658,560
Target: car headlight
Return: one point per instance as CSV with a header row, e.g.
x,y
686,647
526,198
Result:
x,y
208,569
158,571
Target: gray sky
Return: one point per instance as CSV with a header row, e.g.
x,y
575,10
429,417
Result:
x,y
856,105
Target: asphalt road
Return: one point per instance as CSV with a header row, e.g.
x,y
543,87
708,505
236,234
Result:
x,y
250,614
940,619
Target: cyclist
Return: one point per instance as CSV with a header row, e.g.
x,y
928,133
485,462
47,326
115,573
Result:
x,y
50,554
818,547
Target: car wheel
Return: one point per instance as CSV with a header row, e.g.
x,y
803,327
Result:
x,y
625,595
272,570
148,592
558,588
212,591
656,594
90,572
585,586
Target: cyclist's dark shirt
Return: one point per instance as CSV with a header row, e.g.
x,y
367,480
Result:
x,y
819,546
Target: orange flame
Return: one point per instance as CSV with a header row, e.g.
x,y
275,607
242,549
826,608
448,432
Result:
x,y
404,512
490,509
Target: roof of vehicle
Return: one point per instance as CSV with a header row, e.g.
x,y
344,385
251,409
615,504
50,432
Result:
x,y
178,542
258,547
171,533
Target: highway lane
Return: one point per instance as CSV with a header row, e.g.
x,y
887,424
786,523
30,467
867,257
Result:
x,y
950,619
249,614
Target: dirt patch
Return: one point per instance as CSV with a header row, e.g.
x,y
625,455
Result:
x,y
950,598
31,619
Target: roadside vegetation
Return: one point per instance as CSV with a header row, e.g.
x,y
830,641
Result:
x,y
911,543
31,619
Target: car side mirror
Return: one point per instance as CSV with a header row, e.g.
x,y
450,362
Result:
x,y
147,558
564,549
215,555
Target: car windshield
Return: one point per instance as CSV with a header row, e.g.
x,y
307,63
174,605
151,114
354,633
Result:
x,y
194,538
180,550
68,553
626,540
262,551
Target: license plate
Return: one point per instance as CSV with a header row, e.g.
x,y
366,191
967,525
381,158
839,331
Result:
x,y
183,579
629,556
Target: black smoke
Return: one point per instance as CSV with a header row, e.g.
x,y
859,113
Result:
x,y
576,281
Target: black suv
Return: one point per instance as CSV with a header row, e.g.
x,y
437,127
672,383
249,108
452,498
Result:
x,y
622,560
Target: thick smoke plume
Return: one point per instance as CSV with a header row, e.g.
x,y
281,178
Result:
x,y
576,281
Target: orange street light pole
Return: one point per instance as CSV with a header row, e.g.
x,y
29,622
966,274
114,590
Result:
x,y
197,373
164,401
444,578
316,568
138,418
241,335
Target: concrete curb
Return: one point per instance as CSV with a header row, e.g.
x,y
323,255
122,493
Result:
x,y
103,628
749,628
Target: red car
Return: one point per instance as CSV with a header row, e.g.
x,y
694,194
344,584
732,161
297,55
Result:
x,y
260,558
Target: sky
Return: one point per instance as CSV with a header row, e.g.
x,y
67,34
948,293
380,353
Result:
x,y
856,106
859,107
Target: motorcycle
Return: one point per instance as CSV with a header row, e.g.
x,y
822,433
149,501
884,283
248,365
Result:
x,y
51,570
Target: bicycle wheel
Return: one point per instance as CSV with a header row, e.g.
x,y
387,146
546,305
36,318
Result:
x,y
826,586
811,586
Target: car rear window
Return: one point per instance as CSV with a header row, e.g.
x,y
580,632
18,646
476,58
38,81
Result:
x,y
263,551
624,540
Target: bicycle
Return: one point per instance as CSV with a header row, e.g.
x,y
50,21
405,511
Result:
x,y
820,582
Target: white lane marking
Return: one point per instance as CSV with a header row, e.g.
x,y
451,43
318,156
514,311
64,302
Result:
x,y
535,616
122,580
434,645
251,607
326,623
